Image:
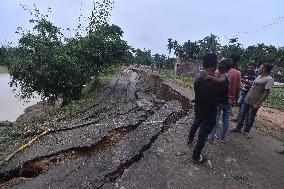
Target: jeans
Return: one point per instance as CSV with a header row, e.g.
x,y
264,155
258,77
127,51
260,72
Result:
x,y
242,98
226,110
251,112
205,127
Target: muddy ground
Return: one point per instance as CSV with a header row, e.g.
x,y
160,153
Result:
x,y
134,136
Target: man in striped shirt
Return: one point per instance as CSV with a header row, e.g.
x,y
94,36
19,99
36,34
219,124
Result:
x,y
247,81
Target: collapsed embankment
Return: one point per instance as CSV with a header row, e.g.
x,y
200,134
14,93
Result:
x,y
134,136
120,125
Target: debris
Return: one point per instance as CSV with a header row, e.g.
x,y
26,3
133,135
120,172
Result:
x,y
25,146
180,153
209,161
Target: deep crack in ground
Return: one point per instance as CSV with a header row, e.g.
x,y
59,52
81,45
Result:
x,y
126,104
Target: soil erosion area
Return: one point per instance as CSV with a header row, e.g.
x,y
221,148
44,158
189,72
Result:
x,y
134,136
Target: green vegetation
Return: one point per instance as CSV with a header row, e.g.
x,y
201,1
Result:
x,y
144,57
275,98
52,116
167,74
54,66
49,64
186,81
3,69
92,90
255,54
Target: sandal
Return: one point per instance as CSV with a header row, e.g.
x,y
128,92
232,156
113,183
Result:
x,y
248,136
202,159
222,141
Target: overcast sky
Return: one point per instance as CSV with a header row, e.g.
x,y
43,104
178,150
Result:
x,y
149,23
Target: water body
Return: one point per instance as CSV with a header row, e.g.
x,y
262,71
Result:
x,y
10,106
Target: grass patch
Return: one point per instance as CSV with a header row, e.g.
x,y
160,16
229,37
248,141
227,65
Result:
x,y
275,98
186,81
167,74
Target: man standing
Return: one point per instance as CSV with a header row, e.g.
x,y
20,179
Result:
x,y
256,95
248,81
224,108
207,94
234,80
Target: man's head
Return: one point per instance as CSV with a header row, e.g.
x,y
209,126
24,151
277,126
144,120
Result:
x,y
209,62
225,64
236,58
250,68
265,68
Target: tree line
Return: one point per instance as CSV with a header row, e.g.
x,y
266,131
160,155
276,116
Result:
x,y
255,54
54,66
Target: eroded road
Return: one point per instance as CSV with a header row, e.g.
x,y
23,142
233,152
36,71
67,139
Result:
x,y
134,136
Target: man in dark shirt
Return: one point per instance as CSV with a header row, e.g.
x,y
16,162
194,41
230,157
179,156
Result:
x,y
247,80
207,94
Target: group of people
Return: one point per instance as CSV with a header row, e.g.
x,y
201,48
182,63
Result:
x,y
217,90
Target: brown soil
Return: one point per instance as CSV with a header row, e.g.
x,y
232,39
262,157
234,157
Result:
x,y
275,116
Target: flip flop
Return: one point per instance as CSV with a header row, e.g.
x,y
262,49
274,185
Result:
x,y
202,159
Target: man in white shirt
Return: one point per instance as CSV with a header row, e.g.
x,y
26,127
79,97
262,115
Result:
x,y
258,92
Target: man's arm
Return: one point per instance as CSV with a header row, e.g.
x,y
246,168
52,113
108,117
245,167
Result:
x,y
263,97
218,80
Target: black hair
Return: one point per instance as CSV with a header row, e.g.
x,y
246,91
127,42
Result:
x,y
236,58
250,64
268,67
225,65
209,60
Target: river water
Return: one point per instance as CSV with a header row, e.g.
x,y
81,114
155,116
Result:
x,y
10,106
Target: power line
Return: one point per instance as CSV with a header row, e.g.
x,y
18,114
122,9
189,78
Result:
x,y
237,34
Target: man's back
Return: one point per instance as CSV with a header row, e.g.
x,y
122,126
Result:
x,y
234,85
207,94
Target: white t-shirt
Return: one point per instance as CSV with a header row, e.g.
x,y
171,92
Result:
x,y
257,89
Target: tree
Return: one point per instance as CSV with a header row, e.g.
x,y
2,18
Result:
x,y
189,50
209,44
53,66
142,57
3,55
280,57
160,60
170,46
41,64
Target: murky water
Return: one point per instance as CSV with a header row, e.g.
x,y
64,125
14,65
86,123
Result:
x,y
10,106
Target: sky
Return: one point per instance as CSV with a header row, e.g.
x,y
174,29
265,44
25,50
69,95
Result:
x,y
149,23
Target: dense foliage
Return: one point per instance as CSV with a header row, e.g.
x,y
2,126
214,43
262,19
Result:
x,y
47,63
255,54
